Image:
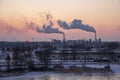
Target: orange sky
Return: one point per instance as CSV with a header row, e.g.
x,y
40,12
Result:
x,y
103,15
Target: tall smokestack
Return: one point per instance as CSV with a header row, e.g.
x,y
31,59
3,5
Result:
x,y
64,37
95,36
95,43
64,41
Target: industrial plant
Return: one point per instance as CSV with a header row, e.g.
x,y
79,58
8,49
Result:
x,y
38,55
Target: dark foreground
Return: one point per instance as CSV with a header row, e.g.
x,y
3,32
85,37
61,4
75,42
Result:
x,y
61,69
87,72
64,76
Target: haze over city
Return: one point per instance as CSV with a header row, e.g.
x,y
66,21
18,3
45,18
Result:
x,y
22,20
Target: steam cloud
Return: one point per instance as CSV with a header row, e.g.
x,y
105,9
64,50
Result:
x,y
49,29
75,24
48,16
45,28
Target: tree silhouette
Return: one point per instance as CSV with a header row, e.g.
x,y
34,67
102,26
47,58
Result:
x,y
8,62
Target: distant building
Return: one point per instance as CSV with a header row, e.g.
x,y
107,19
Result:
x,y
75,42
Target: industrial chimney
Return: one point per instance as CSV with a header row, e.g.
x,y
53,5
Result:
x,y
95,36
63,38
64,41
95,42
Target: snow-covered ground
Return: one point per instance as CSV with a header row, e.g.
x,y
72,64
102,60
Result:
x,y
29,75
115,68
59,76
68,76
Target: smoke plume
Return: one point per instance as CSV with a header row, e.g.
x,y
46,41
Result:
x,y
33,26
75,24
48,16
49,29
46,28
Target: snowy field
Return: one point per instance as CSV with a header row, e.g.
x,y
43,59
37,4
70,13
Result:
x,y
69,76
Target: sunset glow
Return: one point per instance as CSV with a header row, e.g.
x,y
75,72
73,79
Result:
x,y
103,15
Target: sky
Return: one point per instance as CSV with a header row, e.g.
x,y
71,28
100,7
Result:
x,y
102,15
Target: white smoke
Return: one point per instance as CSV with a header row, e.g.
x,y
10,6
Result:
x,y
49,29
33,26
63,24
45,28
75,24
